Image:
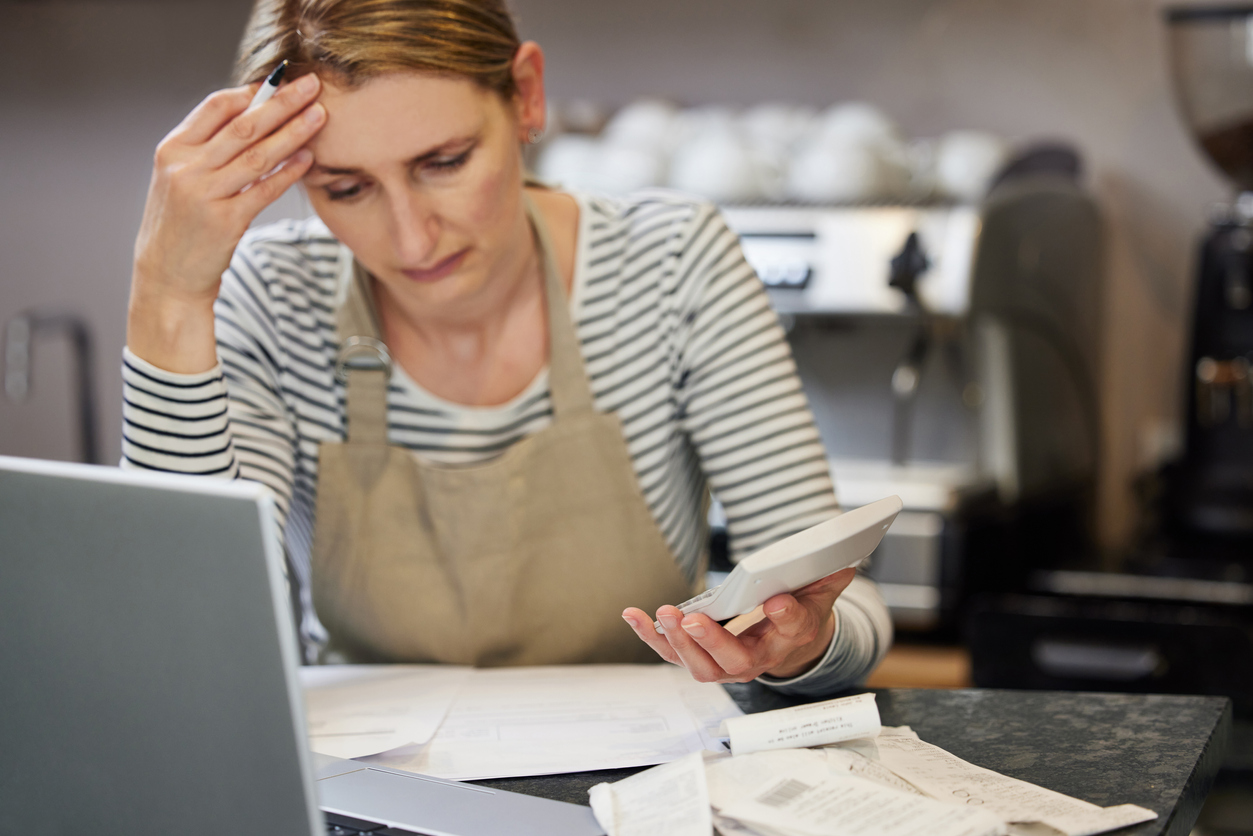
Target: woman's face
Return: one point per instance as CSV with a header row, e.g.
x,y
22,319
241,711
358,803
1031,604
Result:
x,y
420,175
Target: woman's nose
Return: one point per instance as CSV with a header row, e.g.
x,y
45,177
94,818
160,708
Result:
x,y
415,230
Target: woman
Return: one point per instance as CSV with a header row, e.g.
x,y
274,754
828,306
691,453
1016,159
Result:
x,y
491,412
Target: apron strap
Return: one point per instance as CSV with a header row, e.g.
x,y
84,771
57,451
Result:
x,y
363,363
567,377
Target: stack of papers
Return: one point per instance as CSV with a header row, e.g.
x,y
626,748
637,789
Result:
x,y
356,710
466,724
888,783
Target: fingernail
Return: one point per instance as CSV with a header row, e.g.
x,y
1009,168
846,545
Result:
x,y
314,114
302,156
668,621
694,629
634,624
779,611
307,83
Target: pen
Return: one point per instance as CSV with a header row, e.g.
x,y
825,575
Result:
x,y
269,87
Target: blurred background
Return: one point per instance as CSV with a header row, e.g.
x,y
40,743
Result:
x,y
1016,285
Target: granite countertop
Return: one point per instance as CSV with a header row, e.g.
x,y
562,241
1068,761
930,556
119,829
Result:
x,y
1161,752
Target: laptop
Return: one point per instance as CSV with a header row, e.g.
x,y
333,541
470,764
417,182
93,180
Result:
x,y
149,675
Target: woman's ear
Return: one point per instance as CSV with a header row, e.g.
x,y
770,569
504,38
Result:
x,y
529,105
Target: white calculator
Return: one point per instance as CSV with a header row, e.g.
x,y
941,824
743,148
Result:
x,y
797,561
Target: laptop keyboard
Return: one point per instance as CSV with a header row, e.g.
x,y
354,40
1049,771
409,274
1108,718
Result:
x,y
337,825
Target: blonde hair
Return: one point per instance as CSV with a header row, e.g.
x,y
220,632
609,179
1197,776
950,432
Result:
x,y
352,41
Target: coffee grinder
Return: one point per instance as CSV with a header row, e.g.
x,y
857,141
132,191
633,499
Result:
x,y
1177,617
1207,504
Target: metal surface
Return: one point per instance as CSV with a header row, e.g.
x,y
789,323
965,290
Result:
x,y
448,808
149,687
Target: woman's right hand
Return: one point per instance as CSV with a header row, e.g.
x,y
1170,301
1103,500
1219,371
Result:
x,y
212,176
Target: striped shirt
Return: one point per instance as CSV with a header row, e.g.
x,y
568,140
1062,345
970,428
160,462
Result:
x,y
678,339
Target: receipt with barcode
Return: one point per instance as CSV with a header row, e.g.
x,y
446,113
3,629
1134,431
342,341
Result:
x,y
943,775
805,801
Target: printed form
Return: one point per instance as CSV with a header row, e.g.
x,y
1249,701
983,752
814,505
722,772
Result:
x,y
567,718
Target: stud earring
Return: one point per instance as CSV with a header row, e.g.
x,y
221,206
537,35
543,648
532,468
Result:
x,y
534,135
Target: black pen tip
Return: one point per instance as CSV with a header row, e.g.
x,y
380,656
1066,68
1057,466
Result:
x,y
277,76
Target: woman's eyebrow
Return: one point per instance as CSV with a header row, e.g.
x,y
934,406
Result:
x,y
439,150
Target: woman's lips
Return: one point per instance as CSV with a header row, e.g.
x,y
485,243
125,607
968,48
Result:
x,y
439,271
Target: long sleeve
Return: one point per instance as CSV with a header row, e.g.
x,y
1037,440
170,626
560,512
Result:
x,y
229,422
747,416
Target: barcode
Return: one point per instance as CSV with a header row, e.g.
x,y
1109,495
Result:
x,y
784,793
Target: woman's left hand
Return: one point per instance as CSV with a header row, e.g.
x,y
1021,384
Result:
x,y
793,634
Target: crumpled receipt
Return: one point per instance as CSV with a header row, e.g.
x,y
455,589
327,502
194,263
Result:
x,y
805,791
945,776
886,782
667,800
804,801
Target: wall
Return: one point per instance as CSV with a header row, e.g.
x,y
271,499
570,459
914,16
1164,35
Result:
x,y
88,88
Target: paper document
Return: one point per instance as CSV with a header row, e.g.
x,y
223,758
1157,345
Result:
x,y
805,801
667,800
731,779
709,704
567,718
890,785
841,760
356,710
805,725
945,776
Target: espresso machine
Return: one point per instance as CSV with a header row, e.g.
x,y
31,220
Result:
x,y
947,349
1176,616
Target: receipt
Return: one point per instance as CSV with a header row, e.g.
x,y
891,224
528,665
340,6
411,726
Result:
x,y
816,724
731,779
947,777
847,760
667,800
804,802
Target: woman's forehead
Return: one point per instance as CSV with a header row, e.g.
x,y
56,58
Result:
x,y
395,117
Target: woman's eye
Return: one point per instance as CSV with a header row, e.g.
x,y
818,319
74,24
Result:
x,y
448,163
344,192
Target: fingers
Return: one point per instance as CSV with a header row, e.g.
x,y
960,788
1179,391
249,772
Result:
x,y
821,594
245,130
783,637
691,655
210,115
259,159
790,618
733,661
266,191
642,624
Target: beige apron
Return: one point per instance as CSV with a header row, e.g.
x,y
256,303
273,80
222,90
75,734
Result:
x,y
527,559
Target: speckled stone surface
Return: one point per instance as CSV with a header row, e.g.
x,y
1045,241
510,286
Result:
x,y
1161,752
